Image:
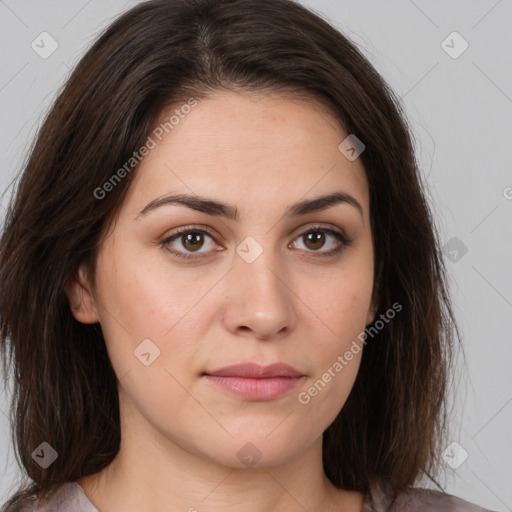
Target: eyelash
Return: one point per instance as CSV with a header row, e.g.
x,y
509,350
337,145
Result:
x,y
343,240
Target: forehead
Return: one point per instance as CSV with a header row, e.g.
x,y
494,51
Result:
x,y
248,147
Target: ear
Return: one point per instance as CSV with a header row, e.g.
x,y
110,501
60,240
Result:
x,y
82,303
371,311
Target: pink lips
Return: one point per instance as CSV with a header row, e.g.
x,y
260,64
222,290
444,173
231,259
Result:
x,y
254,382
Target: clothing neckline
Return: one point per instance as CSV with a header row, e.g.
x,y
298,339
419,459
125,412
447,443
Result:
x,y
365,507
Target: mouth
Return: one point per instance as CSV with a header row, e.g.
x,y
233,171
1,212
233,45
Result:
x,y
254,382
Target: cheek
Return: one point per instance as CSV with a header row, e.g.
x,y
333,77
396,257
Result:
x,y
341,305
141,298
137,292
335,346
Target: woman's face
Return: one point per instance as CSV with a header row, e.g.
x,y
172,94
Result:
x,y
268,286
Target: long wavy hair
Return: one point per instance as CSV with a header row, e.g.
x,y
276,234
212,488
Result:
x,y
159,53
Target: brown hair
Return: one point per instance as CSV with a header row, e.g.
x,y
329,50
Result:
x,y
159,53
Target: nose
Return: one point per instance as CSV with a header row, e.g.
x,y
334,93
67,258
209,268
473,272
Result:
x,y
259,299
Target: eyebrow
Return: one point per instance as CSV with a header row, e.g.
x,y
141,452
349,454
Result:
x,y
216,208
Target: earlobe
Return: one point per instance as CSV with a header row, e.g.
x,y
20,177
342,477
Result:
x,y
374,305
371,314
81,301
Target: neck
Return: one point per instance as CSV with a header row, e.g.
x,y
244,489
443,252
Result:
x,y
151,472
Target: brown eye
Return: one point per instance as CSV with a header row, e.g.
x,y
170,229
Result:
x,y
315,239
186,241
192,241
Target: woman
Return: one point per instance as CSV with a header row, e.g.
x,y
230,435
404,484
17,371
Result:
x,y
221,280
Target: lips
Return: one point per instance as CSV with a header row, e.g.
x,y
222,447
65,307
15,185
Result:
x,y
255,371
253,382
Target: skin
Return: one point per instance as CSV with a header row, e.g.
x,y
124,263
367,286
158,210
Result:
x,y
180,434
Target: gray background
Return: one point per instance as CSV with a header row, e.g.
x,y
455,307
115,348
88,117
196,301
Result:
x,y
459,109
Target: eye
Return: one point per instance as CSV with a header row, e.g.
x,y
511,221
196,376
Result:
x,y
315,239
192,239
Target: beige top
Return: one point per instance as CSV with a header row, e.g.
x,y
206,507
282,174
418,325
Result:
x,y
70,497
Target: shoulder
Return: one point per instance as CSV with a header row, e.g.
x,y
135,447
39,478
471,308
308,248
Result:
x,y
420,500
66,497
431,500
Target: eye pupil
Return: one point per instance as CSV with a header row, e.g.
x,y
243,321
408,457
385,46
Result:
x,y
316,237
191,239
